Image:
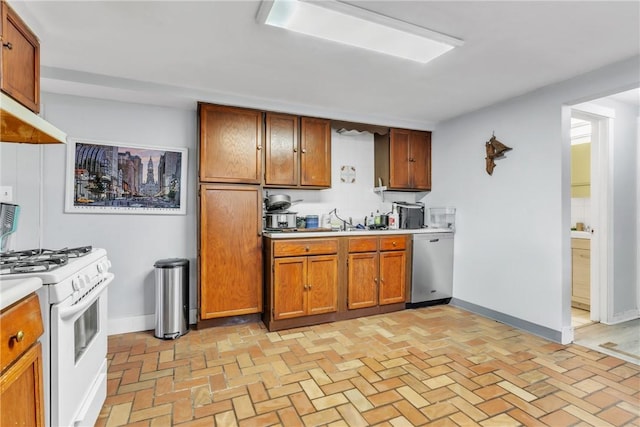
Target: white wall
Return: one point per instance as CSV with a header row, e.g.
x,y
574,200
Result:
x,y
133,242
512,251
355,200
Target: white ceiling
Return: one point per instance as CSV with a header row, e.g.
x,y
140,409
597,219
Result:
x,y
177,53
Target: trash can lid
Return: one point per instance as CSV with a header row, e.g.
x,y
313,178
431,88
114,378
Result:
x,y
171,263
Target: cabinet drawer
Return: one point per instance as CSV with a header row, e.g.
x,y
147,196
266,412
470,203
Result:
x,y
580,244
21,325
393,243
363,244
305,247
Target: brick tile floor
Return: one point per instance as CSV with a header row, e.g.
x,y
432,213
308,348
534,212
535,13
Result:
x,y
431,366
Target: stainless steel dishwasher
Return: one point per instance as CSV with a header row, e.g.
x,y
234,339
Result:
x,y
432,272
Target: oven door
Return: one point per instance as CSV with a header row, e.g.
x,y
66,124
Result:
x,y
78,357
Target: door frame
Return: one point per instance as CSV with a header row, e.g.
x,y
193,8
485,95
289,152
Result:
x,y
601,274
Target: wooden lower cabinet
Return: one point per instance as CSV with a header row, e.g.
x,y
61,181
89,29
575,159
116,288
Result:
x,y
303,280
580,273
392,277
317,280
362,287
230,256
376,278
21,382
305,286
22,399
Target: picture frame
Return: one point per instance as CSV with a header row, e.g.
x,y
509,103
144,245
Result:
x,y
122,178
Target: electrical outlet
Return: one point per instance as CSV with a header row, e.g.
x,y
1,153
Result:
x,y
6,194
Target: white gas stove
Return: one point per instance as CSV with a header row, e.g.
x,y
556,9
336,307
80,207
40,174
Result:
x,y
74,312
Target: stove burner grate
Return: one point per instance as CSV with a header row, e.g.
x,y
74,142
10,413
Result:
x,y
38,260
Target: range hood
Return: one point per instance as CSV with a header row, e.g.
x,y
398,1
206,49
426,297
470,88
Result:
x,y
20,124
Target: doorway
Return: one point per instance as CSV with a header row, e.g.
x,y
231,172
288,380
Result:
x,y
609,323
584,153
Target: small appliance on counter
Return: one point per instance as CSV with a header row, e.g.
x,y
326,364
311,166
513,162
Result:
x,y
442,218
410,215
8,223
277,217
282,219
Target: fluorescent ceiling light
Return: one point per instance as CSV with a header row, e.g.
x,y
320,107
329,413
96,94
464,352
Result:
x,y
354,26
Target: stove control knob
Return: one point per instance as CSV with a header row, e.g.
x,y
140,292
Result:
x,y
86,279
76,284
100,267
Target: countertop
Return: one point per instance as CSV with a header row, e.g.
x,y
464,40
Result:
x,y
580,234
14,290
324,233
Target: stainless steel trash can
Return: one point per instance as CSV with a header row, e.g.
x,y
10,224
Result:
x,y
172,298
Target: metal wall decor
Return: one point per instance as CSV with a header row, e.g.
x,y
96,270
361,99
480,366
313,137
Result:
x,y
495,150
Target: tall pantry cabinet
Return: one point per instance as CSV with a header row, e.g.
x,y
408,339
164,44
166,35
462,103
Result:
x,y
230,212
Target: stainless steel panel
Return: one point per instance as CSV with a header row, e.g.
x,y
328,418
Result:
x,y
432,267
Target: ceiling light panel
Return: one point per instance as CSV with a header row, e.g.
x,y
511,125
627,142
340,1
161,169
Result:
x,y
354,26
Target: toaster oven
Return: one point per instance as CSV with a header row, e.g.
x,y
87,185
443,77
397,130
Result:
x,y
410,215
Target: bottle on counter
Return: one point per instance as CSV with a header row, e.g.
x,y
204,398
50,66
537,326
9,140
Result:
x,y
370,221
393,219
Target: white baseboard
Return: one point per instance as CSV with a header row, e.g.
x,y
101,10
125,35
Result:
x,y
623,317
146,322
567,335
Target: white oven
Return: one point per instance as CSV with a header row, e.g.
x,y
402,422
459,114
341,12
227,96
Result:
x,y
74,344
78,362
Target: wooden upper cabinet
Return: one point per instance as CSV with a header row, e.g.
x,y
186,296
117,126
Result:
x,y
281,150
19,59
230,144
230,250
315,152
297,152
403,160
420,160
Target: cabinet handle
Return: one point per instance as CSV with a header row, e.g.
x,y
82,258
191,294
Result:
x,y
259,147
309,287
393,244
19,336
295,150
375,279
306,248
304,150
8,45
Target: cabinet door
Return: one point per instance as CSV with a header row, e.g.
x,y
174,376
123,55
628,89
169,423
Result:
x,y
230,250
420,160
322,284
315,156
362,287
230,144
20,60
399,177
392,277
580,272
281,150
21,392
289,287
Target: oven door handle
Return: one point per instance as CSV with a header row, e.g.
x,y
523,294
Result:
x,y
68,312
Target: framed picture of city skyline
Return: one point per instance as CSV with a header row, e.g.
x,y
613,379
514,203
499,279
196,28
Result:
x,y
109,177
